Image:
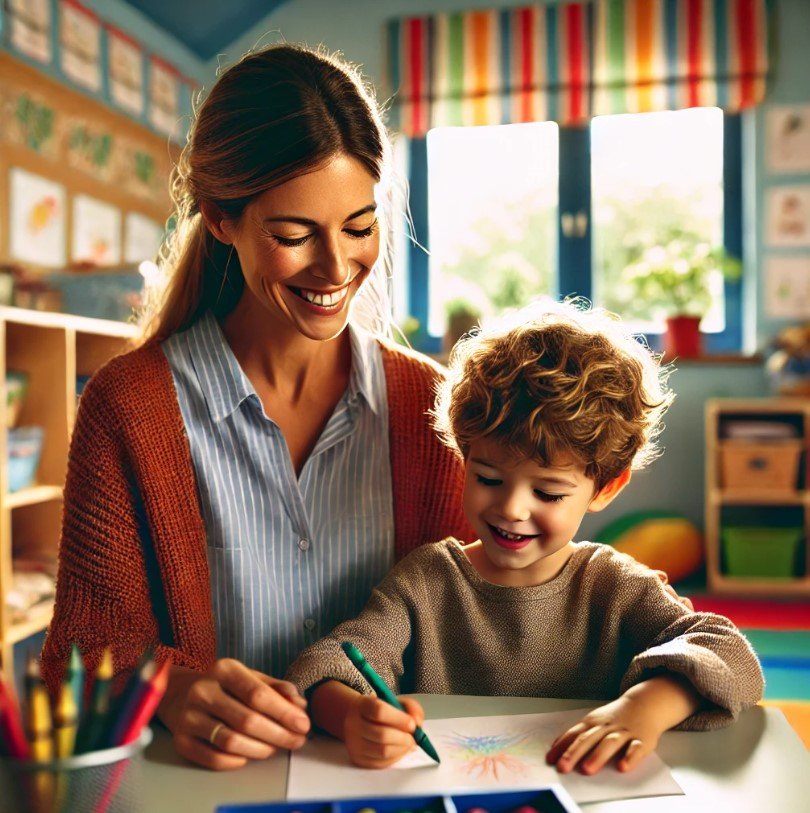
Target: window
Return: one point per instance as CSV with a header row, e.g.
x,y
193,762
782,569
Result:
x,y
519,210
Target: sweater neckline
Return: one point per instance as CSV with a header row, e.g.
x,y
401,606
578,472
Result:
x,y
504,593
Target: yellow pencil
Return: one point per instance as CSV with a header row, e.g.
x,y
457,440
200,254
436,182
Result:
x,y
65,722
38,723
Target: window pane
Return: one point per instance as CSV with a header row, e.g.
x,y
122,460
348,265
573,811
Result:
x,y
493,217
657,200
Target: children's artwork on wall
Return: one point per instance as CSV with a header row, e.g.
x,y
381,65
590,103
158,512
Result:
x,y
80,45
126,63
96,232
27,119
37,222
788,216
142,238
788,138
477,753
164,96
29,27
787,287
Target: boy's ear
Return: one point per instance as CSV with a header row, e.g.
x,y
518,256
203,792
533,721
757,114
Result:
x,y
216,221
605,496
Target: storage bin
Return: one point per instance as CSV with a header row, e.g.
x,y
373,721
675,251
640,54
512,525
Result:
x,y
773,466
24,452
761,552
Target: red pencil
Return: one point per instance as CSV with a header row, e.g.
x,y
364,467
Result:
x,y
11,730
153,681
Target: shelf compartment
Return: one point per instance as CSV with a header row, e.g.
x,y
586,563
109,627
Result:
x,y
33,496
36,620
757,496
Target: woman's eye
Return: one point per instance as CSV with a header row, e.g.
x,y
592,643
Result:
x,y
360,233
292,241
550,497
487,481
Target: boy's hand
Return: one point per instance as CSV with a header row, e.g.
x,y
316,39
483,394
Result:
x,y
629,726
376,734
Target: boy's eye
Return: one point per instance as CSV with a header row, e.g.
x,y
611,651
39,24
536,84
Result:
x,y
292,241
487,481
550,497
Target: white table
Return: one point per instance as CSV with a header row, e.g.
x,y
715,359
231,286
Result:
x,y
759,765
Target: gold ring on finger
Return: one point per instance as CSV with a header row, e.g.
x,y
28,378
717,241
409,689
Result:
x,y
214,731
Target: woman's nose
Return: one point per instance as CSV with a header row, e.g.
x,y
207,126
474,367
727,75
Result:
x,y
333,266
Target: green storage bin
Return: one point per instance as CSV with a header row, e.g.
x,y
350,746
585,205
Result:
x,y
769,553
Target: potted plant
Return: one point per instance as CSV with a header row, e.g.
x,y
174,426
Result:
x,y
462,317
674,280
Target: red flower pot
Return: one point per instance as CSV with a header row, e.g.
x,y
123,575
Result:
x,y
682,337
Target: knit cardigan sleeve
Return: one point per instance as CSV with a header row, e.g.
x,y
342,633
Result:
x,y
105,585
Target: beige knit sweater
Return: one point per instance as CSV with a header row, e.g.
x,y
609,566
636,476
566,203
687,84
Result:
x,y
603,624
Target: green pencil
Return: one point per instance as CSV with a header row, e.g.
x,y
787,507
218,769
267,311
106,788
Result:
x,y
74,674
384,693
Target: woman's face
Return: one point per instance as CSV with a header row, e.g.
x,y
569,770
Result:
x,y
307,246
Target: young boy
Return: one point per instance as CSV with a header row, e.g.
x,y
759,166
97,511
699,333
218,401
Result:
x,y
551,409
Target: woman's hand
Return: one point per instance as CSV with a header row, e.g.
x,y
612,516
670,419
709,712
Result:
x,y
376,734
629,726
223,717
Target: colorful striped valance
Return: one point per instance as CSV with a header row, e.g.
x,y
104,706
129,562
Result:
x,y
670,54
572,60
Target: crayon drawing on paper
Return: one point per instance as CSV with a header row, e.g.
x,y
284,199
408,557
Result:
x,y
493,756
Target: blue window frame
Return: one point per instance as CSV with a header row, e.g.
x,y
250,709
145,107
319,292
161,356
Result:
x,y
575,254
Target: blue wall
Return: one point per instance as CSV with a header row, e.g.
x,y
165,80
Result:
x,y
674,482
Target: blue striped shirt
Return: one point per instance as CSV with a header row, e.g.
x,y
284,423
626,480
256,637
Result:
x,y
289,557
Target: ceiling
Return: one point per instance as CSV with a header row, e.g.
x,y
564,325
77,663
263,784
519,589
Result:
x,y
206,27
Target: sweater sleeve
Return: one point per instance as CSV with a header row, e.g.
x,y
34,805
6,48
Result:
x,y
103,587
381,632
705,648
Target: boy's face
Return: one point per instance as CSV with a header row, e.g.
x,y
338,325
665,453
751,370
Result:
x,y
526,514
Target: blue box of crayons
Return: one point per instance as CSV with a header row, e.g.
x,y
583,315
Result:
x,y
550,799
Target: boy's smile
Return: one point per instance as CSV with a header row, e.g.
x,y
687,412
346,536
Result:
x,y
525,514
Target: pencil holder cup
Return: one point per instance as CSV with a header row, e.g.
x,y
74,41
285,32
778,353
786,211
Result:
x,y
106,781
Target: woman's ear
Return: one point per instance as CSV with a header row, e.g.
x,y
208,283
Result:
x,y
605,496
216,221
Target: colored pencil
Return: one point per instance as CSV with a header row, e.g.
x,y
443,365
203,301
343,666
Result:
x,y
96,721
129,725
65,722
74,674
39,724
11,729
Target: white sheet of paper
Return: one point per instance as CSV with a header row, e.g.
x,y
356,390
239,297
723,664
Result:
x,y
501,752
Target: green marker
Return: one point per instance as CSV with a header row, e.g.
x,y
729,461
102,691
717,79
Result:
x,y
384,693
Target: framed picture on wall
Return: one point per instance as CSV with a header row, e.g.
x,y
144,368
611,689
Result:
x,y
80,45
126,64
142,238
96,232
37,219
29,28
788,216
787,287
788,138
164,96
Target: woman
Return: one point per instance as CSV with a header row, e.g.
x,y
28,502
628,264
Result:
x,y
238,484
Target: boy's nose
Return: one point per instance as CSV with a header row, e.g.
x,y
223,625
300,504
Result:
x,y
513,509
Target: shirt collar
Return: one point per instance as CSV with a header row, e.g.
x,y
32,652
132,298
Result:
x,y
225,385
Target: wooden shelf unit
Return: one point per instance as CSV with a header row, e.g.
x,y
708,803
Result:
x,y
53,349
766,502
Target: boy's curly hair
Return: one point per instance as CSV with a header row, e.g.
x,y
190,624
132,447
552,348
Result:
x,y
553,379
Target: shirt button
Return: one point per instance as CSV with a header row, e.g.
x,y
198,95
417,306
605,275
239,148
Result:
x,y
303,544
309,623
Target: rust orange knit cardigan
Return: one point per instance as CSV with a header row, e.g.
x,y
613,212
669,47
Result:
x,y
133,570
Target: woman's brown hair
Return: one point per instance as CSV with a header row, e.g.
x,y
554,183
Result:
x,y
275,114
